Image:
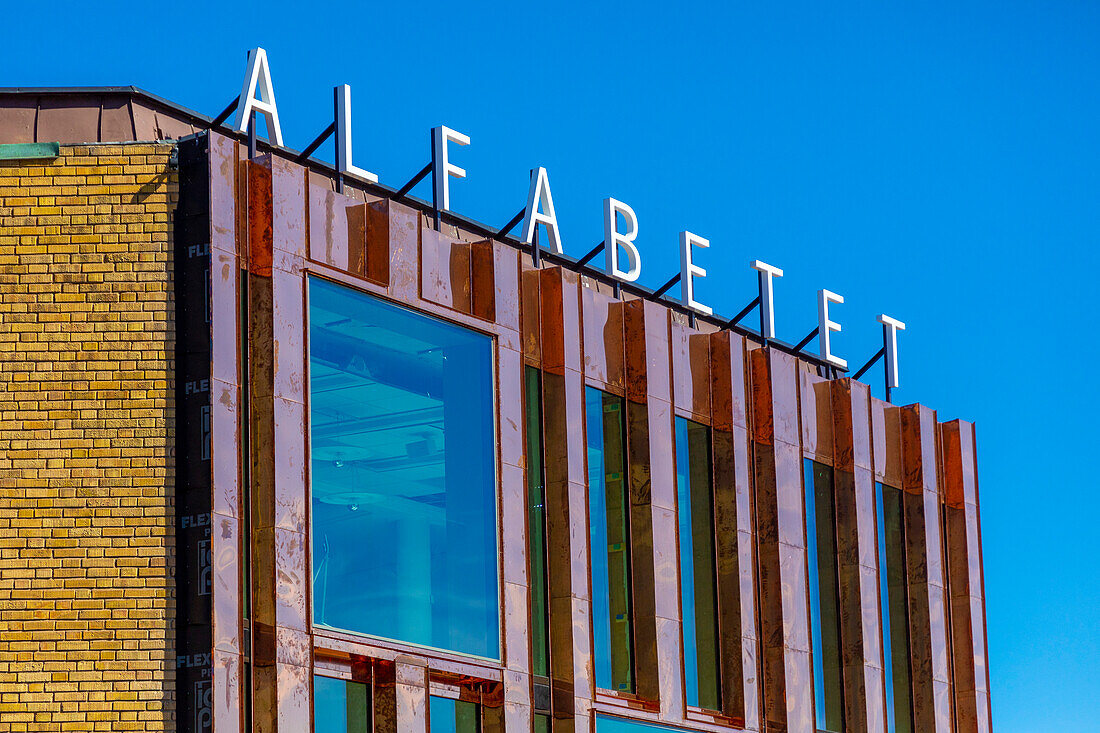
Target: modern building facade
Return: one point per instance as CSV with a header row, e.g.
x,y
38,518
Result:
x,y
280,453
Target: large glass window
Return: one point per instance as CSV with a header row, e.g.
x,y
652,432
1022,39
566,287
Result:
x,y
698,576
821,560
403,474
608,724
536,520
340,706
608,512
447,715
893,597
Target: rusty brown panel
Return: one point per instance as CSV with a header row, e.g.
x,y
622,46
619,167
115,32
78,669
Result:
x,y
637,387
483,280
787,683
506,297
383,697
115,122
967,604
857,541
411,689
260,233
357,239
17,116
376,241
328,224
603,339
561,327
815,405
68,118
924,566
492,717
445,270
648,359
226,686
530,330
728,571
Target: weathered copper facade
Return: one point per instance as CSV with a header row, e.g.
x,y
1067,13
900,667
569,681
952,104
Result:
x,y
271,223
274,223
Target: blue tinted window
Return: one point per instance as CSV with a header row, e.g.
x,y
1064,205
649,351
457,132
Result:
x,y
698,576
403,478
821,560
893,599
340,706
607,724
446,715
609,528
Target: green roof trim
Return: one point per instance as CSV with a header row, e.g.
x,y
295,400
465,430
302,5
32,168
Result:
x,y
27,151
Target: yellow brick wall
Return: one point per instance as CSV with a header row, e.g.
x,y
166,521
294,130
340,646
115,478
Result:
x,y
86,478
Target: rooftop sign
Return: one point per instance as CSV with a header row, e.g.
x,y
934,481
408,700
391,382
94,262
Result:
x,y
623,260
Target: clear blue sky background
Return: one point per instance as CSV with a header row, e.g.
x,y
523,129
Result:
x,y
937,163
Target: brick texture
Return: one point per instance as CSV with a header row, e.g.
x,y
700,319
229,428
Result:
x,y
86,422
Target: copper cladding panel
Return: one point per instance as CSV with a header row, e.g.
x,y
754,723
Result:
x,y
445,270
924,561
967,602
691,380
787,685
603,340
857,541
814,402
225,548
572,669
735,536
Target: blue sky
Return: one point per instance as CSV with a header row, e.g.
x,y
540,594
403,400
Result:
x,y
938,163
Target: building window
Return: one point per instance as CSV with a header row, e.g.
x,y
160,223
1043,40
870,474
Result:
x,y
608,724
821,560
536,520
447,715
893,597
403,474
340,706
608,512
698,575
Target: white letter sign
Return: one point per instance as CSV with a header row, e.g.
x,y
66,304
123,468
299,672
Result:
x,y
259,75
767,304
613,239
689,270
891,326
825,327
343,136
442,169
539,197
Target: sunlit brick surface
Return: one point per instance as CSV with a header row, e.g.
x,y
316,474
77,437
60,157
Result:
x,y
85,433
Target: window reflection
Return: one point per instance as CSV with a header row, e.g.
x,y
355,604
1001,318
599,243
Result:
x,y
403,481
447,715
608,507
698,577
821,560
894,599
340,706
536,521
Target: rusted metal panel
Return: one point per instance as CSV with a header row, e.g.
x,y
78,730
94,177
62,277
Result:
x,y
603,340
861,629
17,120
924,560
964,561
787,682
116,124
